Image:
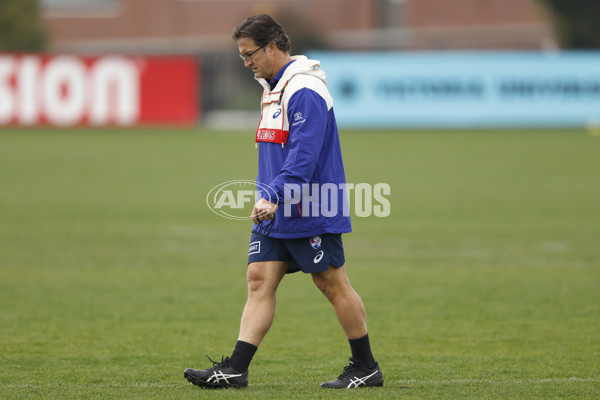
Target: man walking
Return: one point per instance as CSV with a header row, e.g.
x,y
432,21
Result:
x,y
298,150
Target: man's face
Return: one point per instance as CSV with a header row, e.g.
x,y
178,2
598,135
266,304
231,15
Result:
x,y
260,62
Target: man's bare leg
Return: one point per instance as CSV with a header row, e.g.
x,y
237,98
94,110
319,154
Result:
x,y
263,280
348,305
363,370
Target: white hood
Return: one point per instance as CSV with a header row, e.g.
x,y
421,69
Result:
x,y
301,66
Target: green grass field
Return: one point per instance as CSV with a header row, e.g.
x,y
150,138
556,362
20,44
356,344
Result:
x,y
484,282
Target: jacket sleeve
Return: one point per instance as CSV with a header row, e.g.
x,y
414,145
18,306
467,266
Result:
x,y
307,116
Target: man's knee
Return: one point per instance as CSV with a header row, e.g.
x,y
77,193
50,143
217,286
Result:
x,y
264,277
255,278
332,282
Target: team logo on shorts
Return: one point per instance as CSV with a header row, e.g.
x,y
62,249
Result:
x,y
315,242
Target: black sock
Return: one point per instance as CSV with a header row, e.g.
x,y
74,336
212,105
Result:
x,y
242,356
361,351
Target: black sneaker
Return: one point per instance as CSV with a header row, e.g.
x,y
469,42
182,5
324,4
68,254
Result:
x,y
220,376
356,375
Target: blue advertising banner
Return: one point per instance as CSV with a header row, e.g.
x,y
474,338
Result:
x,y
463,89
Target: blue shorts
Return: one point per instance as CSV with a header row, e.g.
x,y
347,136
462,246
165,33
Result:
x,y
309,255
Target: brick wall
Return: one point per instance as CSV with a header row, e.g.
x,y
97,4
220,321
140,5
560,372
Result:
x,y
427,13
478,24
210,22
206,25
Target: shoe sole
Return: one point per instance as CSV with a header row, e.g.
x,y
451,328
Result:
x,y
207,385
375,384
378,383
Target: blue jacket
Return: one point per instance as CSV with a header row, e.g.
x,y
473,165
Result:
x,y
299,156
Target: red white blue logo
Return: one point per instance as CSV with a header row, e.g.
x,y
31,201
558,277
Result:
x,y
315,242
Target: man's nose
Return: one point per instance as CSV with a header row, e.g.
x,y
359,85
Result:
x,y
247,62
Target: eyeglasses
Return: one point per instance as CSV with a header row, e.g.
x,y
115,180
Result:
x,y
250,56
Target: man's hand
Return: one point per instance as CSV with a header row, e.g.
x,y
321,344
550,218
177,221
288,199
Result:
x,y
263,210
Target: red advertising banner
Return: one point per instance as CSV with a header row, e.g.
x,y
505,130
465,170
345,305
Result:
x,y
113,90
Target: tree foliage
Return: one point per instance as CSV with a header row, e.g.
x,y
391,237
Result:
x,y
577,22
20,26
